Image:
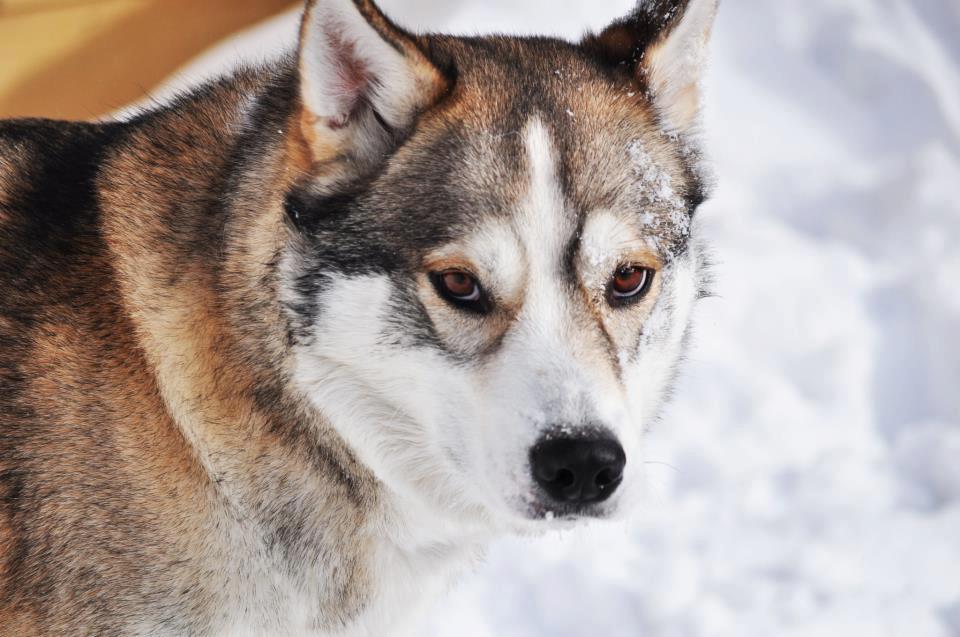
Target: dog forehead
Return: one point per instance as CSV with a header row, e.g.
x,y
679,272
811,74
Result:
x,y
472,154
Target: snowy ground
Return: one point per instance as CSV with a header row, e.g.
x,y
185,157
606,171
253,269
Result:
x,y
810,476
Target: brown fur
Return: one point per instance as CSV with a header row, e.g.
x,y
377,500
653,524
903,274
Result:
x,y
132,391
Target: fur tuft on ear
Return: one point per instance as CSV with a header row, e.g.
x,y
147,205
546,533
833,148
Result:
x,y
664,43
359,73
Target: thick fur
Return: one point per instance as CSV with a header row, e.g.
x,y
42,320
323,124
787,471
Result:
x,y
231,401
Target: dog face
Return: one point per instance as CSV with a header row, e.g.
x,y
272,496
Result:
x,y
491,269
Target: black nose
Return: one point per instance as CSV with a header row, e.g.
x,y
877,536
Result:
x,y
578,470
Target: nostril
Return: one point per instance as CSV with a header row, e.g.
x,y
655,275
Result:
x,y
604,479
565,478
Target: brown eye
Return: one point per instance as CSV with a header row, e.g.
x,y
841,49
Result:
x,y
461,285
461,289
630,282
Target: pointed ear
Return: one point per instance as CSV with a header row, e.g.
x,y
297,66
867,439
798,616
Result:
x,y
363,80
664,44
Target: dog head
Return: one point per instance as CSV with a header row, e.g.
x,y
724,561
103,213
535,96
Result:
x,y
491,270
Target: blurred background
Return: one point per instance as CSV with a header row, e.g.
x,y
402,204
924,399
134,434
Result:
x,y
79,59
806,479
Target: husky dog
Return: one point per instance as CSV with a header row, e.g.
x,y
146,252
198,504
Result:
x,y
282,356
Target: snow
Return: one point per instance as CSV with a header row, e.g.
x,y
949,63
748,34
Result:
x,y
656,191
806,479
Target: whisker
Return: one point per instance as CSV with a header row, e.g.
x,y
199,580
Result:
x,y
665,464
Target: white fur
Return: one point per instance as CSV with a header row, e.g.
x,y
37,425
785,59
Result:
x,y
329,24
607,238
498,253
450,442
381,400
538,378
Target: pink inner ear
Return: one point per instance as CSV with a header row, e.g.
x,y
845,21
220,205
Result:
x,y
352,75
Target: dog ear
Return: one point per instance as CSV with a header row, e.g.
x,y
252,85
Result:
x,y
363,80
664,44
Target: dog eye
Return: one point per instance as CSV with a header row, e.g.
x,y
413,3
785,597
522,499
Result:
x,y
630,283
460,286
461,289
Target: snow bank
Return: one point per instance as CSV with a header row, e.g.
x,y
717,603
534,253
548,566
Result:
x,y
806,480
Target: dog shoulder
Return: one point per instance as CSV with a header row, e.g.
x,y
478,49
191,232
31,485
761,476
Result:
x,y
48,213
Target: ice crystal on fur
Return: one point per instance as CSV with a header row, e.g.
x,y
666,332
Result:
x,y
657,195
